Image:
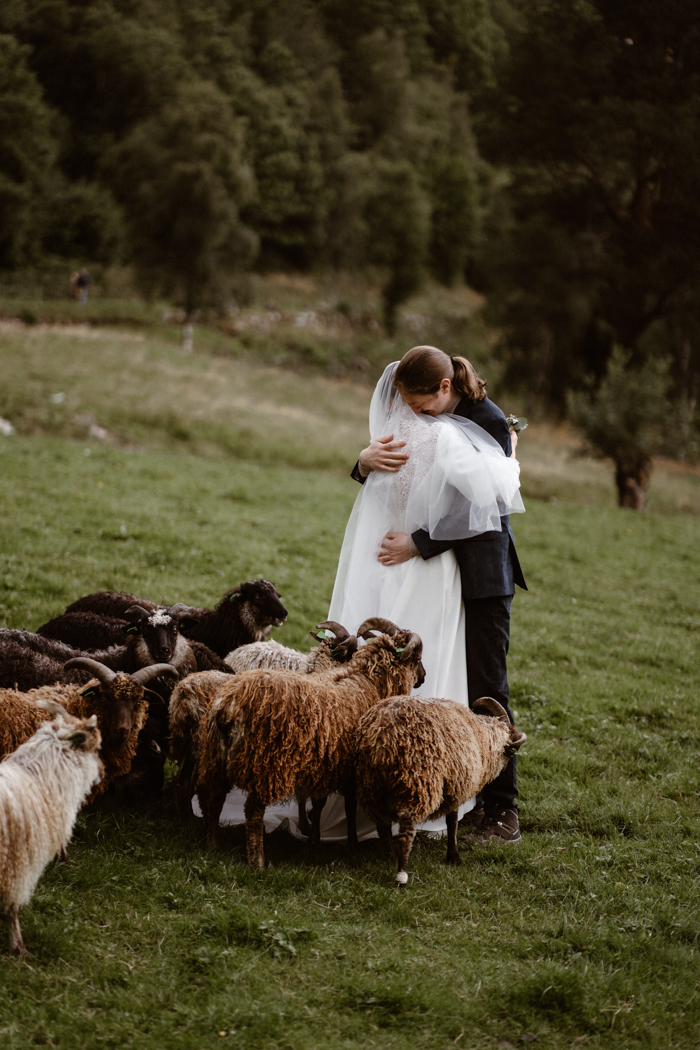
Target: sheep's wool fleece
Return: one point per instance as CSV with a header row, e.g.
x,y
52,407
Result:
x,y
190,700
425,756
279,732
21,717
278,657
42,786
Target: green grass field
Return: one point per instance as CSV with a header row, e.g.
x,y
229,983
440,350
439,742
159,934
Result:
x,y
587,934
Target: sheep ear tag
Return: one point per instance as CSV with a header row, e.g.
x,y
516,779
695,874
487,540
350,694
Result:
x,y
90,692
400,650
131,630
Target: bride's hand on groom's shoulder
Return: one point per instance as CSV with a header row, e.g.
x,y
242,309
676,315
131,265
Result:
x,y
382,454
396,547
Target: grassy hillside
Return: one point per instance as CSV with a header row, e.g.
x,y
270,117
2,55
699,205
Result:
x,y
585,934
133,387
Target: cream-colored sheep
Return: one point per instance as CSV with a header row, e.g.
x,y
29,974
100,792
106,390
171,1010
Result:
x,y
42,786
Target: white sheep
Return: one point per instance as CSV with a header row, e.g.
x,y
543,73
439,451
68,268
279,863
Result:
x,y
330,653
42,786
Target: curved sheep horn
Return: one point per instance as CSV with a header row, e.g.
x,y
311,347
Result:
x,y
414,642
145,674
135,613
493,707
337,628
178,610
376,623
52,707
102,673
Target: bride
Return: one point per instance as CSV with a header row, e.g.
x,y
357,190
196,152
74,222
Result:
x,y
455,482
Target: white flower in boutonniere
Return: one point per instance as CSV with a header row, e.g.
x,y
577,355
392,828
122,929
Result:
x,y
517,424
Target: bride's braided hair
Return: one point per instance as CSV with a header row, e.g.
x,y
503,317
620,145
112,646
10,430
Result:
x,y
423,368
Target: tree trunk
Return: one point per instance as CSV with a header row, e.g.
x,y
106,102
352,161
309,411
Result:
x,y
633,485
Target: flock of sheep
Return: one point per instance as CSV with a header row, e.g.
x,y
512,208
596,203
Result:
x,y
100,696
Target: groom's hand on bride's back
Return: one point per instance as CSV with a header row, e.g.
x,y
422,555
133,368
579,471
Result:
x,y
396,547
383,454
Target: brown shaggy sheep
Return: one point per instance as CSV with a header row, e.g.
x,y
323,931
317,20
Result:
x,y
119,700
193,696
417,758
278,733
189,702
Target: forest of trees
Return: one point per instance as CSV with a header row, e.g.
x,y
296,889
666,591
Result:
x,y
544,151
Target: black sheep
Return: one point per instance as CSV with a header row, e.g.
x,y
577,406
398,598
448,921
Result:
x,y
24,668
86,630
245,614
110,603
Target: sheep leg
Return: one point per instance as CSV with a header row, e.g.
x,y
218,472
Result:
x,y
304,826
317,805
184,779
453,856
14,931
407,833
351,817
254,811
211,798
386,838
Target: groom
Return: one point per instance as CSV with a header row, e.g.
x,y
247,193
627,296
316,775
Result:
x,y
488,563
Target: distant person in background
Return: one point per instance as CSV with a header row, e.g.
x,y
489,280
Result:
x,y
74,290
82,283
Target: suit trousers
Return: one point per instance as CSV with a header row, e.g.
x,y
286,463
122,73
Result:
x,y
488,638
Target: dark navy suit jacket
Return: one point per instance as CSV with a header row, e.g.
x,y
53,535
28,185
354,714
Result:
x,y
488,563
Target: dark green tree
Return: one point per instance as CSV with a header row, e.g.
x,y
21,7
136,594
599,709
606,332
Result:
x,y
28,151
398,221
597,238
182,181
627,419
454,193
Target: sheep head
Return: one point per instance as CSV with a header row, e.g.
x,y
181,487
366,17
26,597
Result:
x,y
155,632
487,706
263,600
407,644
81,734
341,646
405,669
117,698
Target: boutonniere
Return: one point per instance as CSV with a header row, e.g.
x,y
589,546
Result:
x,y
517,424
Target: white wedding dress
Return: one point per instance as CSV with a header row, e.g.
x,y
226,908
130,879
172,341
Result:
x,y
457,482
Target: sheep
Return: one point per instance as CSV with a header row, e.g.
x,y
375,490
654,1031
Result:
x,y
417,758
153,638
192,697
86,630
110,603
271,654
276,733
189,702
42,786
23,668
117,699
245,614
